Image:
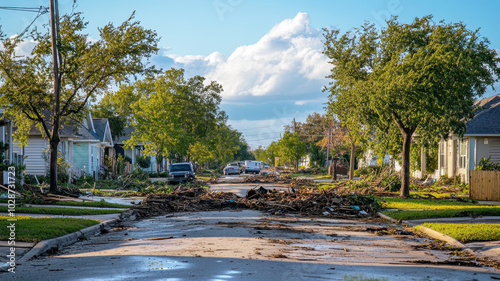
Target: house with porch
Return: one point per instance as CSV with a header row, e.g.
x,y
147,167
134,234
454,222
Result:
x,y
458,156
83,147
132,153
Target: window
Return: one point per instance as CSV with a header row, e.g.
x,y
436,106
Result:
x,y
441,154
462,154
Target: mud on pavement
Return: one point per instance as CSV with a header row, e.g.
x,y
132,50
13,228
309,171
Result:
x,y
251,245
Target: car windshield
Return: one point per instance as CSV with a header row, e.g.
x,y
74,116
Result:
x,y
232,165
180,168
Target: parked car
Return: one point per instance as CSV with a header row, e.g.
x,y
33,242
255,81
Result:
x,y
232,169
181,172
252,167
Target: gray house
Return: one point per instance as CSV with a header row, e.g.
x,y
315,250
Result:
x,y
458,156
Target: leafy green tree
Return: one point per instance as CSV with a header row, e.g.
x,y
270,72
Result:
x,y
243,152
200,152
291,148
317,155
423,81
84,67
117,123
352,57
170,114
260,154
224,143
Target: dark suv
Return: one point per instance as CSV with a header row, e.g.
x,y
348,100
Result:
x,y
181,172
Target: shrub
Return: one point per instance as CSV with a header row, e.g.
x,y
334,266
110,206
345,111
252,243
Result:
x,y
488,165
143,161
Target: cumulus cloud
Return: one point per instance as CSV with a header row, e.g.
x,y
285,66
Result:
x,y
24,47
285,64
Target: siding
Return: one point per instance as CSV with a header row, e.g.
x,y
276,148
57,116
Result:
x,y
35,164
81,155
494,150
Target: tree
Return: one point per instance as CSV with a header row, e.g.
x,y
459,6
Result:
x,y
261,154
83,68
117,123
352,57
290,148
174,117
423,82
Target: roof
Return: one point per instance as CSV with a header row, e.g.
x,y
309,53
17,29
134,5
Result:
x,y
86,134
128,134
486,121
100,127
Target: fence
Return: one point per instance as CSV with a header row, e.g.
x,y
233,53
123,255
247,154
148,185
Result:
x,y
485,185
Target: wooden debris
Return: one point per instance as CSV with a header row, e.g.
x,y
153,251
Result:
x,y
307,201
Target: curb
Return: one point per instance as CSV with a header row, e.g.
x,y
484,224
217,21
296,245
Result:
x,y
68,239
436,235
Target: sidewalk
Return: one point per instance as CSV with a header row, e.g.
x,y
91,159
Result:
x,y
25,251
488,249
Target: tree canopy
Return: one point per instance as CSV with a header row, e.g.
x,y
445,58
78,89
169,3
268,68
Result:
x,y
177,118
416,79
83,68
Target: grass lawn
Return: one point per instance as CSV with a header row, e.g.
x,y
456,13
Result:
x,y
428,214
429,204
468,232
435,208
59,211
30,229
101,204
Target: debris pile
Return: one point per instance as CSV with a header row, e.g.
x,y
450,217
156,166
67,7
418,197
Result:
x,y
311,202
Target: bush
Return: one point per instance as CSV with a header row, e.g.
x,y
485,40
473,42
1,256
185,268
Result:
x,y
488,165
143,161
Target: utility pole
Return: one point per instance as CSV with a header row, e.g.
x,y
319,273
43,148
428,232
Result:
x,y
296,158
328,149
54,138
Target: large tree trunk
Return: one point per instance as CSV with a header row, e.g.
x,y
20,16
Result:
x,y
54,142
405,169
351,161
335,168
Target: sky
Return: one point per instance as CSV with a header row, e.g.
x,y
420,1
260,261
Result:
x,y
267,55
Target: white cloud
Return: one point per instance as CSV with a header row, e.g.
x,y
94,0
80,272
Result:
x,y
285,64
24,47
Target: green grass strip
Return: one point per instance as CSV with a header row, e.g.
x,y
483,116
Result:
x,y
29,229
99,204
429,214
466,233
59,211
430,204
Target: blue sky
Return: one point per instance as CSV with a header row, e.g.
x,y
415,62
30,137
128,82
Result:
x,y
266,54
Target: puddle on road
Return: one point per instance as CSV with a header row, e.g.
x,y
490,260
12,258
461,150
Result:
x,y
158,263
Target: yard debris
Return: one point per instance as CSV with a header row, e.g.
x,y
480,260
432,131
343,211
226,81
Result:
x,y
307,201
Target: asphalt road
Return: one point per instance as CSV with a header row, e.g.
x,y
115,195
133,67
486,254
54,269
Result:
x,y
249,245
228,184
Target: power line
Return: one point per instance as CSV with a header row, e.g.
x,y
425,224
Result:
x,y
265,127
40,11
26,9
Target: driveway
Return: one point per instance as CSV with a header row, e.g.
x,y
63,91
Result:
x,y
250,245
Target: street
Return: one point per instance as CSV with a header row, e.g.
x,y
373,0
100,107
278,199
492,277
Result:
x,y
250,245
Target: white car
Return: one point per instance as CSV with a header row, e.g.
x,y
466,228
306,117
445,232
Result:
x,y
232,169
252,167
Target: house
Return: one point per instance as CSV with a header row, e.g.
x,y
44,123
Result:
x,y
94,143
458,156
10,157
83,147
35,154
130,153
